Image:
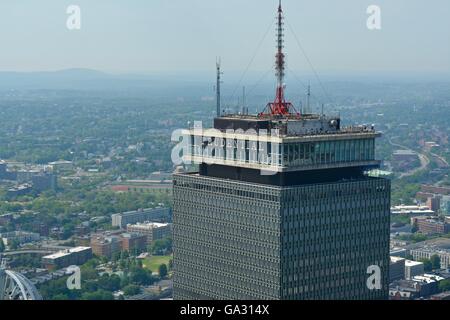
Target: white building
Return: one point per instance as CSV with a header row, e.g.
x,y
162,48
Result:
x,y
20,237
411,210
153,231
413,268
123,219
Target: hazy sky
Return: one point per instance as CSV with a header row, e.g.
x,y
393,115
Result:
x,y
154,36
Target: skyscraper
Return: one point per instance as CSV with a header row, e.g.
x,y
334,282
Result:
x,y
281,207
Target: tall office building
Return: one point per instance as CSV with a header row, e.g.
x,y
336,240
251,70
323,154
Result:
x,y
280,208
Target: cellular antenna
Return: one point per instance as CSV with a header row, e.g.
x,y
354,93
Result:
x,y
280,107
243,101
219,82
308,100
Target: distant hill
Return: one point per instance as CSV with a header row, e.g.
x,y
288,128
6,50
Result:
x,y
87,79
75,78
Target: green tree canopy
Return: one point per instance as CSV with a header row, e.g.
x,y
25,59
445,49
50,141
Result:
x,y
161,247
435,262
444,285
14,245
97,295
163,271
428,266
131,290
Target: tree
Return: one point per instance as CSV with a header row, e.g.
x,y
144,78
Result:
x,y
97,295
162,271
14,245
109,283
61,296
131,290
141,276
428,266
161,247
2,246
435,262
88,272
444,285
124,255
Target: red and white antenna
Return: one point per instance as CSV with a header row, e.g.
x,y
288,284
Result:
x,y
280,107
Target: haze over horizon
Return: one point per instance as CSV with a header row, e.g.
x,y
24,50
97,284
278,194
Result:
x,y
177,37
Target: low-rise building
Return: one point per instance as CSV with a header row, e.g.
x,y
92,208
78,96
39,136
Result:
x,y
6,218
65,258
427,249
83,228
445,205
419,286
441,296
121,220
430,225
396,268
19,237
133,241
413,268
435,189
105,246
82,241
60,166
398,252
411,210
434,203
152,230
3,168
405,155
19,190
44,181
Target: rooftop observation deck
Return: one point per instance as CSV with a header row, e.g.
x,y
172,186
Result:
x,y
283,144
290,128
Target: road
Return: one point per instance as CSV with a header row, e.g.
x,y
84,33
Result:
x,y
440,158
424,160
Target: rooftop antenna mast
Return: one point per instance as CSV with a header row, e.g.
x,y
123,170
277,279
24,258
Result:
x,y
244,109
308,100
219,82
280,107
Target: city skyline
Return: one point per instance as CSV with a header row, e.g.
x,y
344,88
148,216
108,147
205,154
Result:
x,y
166,150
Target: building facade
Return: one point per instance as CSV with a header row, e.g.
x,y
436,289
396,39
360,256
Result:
x,y
3,167
427,253
413,268
44,181
20,237
396,269
151,230
121,220
235,240
133,242
105,246
281,207
66,258
431,225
